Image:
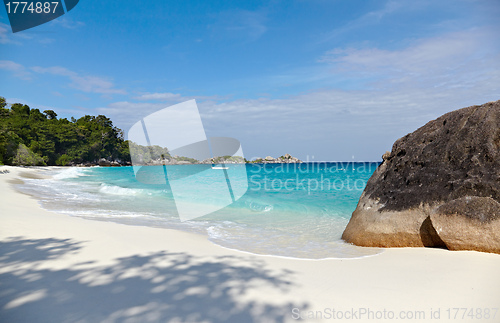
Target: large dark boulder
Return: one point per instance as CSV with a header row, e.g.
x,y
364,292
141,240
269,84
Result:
x,y
438,187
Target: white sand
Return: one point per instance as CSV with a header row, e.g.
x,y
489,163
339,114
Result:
x,y
56,268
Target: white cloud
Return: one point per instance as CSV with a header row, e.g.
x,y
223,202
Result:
x,y
87,83
4,34
331,124
428,53
241,24
7,37
430,75
46,41
166,96
400,91
370,18
124,113
17,70
455,60
67,23
250,23
169,97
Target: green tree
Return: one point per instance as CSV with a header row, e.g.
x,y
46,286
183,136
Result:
x,y
24,156
50,114
28,135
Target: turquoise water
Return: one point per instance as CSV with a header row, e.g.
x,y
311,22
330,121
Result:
x,y
292,210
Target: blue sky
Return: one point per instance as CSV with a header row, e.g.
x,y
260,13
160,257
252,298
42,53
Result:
x,y
319,79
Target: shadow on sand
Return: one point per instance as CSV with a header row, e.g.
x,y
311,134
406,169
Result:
x,y
160,287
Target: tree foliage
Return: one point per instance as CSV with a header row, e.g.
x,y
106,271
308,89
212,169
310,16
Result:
x,y
28,136
26,157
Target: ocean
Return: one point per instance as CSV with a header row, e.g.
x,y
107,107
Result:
x,y
288,210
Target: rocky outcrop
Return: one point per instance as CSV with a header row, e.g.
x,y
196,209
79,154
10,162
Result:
x,y
438,187
285,159
469,223
224,160
167,160
103,162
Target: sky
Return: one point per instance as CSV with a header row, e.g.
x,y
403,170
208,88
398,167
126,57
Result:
x,y
322,80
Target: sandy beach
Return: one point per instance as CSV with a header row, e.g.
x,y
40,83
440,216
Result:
x,y
57,268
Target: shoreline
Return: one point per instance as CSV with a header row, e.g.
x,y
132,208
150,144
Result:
x,y
55,265
331,248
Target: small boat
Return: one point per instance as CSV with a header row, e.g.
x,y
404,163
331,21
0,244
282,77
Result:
x,y
219,167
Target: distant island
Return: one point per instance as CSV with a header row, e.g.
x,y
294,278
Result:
x,y
164,158
285,159
29,137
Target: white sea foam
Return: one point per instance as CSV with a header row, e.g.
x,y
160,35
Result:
x,y
71,172
117,190
224,230
103,214
214,232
